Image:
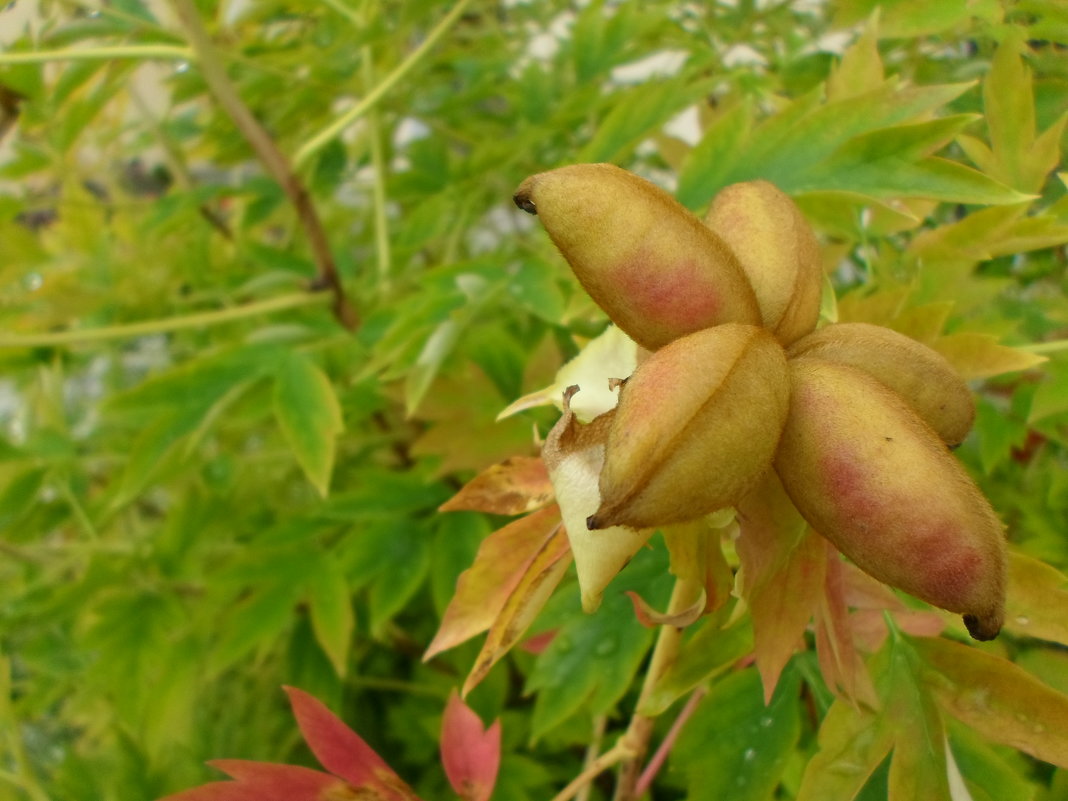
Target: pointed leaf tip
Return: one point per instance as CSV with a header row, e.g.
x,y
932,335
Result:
x,y
337,747
470,754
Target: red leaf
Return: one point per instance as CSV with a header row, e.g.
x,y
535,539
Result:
x,y
342,751
516,485
219,791
283,782
471,755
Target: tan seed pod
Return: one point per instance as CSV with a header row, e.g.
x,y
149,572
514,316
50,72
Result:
x,y
778,252
695,428
914,371
645,259
875,480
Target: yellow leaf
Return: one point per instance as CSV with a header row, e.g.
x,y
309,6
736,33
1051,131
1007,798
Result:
x,y
998,699
1037,602
861,68
980,356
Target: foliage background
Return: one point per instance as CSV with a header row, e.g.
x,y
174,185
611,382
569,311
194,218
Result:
x,y
197,509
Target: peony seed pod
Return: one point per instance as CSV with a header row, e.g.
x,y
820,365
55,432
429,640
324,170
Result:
x,y
645,259
695,428
914,371
874,479
778,252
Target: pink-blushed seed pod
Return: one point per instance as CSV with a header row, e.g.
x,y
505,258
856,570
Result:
x,y
778,252
654,268
914,371
695,428
869,475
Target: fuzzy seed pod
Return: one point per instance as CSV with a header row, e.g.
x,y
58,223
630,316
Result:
x,y
574,455
874,479
695,428
646,260
914,371
778,252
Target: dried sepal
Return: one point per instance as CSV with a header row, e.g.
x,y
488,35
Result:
x,y
574,454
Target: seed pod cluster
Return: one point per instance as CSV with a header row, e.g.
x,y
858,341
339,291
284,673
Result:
x,y
854,418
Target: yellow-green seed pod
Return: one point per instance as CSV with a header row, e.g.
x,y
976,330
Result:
x,y
778,252
654,268
695,428
914,371
874,479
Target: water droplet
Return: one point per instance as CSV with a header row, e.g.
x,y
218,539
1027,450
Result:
x,y
766,722
605,647
182,66
749,755
33,281
1023,620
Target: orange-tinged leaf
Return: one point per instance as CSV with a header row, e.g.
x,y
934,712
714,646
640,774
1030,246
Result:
x,y
470,754
841,664
482,589
515,486
1037,602
976,355
526,600
998,699
783,567
651,618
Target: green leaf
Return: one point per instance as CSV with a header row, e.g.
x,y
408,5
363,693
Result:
x,y
256,622
592,660
20,494
736,747
709,652
853,742
309,415
988,775
330,606
635,113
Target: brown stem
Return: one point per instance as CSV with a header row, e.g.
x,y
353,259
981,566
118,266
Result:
x,y
277,165
640,731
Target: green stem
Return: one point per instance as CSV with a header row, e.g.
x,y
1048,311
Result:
x,y
1054,346
345,11
325,136
378,164
144,52
640,730
197,320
